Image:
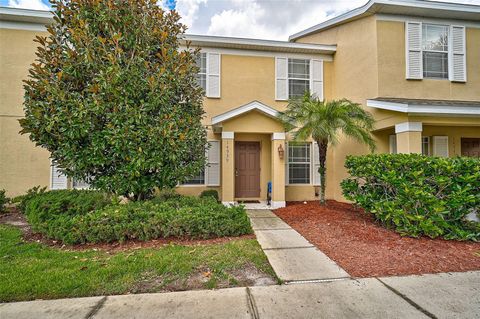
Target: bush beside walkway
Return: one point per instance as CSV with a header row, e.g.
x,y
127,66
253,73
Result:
x,y
77,217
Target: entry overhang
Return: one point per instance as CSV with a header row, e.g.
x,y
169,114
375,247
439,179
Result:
x,y
427,107
252,106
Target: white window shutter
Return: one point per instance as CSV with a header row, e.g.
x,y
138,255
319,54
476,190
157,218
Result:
x,y
392,144
281,81
413,44
440,146
58,180
458,67
315,164
213,166
213,75
316,84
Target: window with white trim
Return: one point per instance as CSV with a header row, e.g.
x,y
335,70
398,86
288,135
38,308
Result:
x,y
198,179
210,174
298,77
426,145
299,163
392,139
202,73
435,51
80,184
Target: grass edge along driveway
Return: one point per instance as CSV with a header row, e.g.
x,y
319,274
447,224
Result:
x,y
34,271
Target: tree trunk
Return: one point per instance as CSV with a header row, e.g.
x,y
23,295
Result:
x,y
322,159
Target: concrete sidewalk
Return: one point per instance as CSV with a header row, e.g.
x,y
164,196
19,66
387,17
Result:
x,y
455,295
292,257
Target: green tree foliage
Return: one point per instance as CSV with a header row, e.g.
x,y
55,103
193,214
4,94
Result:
x,y
114,98
417,195
324,121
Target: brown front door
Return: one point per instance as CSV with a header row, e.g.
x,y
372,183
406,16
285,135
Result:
x,y
471,147
247,169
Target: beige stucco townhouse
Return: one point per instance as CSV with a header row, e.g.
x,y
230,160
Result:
x,y
414,64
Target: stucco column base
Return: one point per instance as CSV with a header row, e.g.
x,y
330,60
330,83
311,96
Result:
x,y
228,168
409,137
278,170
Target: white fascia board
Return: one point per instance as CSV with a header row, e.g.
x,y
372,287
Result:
x,y
16,25
280,136
254,105
418,109
25,15
379,6
228,135
258,44
408,127
391,106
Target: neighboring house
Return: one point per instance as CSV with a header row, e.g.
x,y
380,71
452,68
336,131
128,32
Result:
x,y
414,64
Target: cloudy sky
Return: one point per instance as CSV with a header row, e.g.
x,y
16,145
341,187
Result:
x,y
262,19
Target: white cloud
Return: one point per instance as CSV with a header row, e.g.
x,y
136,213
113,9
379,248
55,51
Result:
x,y
267,19
274,19
188,9
28,4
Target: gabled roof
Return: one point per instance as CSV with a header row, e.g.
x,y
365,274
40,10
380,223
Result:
x,y
427,107
252,106
419,8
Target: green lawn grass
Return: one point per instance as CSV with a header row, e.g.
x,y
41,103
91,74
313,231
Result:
x,y
34,271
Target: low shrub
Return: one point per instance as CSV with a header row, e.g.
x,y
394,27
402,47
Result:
x,y
165,194
3,200
417,195
21,201
44,210
184,217
210,193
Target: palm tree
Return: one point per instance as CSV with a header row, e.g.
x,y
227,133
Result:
x,y
309,116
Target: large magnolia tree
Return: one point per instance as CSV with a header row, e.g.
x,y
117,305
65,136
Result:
x,y
114,98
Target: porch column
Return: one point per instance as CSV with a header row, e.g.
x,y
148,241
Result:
x,y
409,137
278,170
228,169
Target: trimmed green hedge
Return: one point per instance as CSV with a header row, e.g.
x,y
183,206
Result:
x,y
95,221
417,195
209,193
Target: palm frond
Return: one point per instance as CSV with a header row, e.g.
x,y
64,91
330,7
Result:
x,y
308,116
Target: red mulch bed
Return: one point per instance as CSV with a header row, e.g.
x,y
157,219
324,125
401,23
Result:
x,y
15,218
365,249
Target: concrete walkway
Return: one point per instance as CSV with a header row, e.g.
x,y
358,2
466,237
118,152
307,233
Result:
x,y
292,257
454,295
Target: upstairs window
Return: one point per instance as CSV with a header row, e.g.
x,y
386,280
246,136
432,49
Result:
x,y
298,77
202,73
435,51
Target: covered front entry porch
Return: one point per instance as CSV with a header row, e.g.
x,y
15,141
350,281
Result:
x,y
433,128
252,155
